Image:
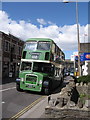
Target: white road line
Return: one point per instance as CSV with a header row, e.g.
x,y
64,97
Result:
x,y
7,89
3,102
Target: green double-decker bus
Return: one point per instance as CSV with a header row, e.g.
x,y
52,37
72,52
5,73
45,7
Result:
x,y
41,67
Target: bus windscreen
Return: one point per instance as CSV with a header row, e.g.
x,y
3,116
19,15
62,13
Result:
x,y
26,66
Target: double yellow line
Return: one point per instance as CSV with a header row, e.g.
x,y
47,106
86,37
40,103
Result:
x,y
26,109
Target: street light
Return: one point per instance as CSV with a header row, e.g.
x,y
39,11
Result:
x,y
79,68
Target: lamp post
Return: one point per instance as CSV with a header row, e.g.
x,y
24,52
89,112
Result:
x,y
79,68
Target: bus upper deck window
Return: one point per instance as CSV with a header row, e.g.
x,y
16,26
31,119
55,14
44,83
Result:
x,y
43,45
31,45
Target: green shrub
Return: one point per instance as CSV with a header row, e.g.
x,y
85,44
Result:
x,y
84,79
83,95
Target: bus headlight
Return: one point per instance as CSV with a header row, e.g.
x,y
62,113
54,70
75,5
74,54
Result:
x,y
40,82
22,79
18,80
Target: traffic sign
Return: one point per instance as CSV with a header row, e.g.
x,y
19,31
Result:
x,y
85,56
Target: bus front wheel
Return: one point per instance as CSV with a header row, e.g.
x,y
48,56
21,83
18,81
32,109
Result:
x,y
18,87
47,91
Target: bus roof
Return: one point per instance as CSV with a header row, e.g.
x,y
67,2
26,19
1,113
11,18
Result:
x,y
39,39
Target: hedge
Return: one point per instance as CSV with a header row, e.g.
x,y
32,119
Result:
x,y
84,79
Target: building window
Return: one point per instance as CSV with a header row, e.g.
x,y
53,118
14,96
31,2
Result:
x,y
20,50
13,48
7,46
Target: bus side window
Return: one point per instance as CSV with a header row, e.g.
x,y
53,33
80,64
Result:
x,y
53,48
56,72
59,71
52,69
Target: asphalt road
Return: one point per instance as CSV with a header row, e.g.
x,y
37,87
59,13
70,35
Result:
x,y
14,101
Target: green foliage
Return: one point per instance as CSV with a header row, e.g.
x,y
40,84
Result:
x,y
84,79
88,96
83,95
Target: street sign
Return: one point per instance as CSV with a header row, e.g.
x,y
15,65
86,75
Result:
x,y
85,56
82,57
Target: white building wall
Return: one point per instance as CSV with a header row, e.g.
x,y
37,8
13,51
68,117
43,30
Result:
x,y
85,68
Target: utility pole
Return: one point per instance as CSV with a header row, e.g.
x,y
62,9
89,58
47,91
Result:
x,y
78,39
79,68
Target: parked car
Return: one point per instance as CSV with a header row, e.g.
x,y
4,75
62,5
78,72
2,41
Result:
x,y
71,73
66,73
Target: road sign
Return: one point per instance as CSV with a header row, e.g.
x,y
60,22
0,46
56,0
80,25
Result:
x,y
85,56
82,57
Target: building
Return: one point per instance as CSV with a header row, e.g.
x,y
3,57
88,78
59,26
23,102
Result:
x,y
0,57
69,65
10,54
85,67
84,47
84,62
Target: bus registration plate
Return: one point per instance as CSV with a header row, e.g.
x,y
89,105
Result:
x,y
30,86
34,57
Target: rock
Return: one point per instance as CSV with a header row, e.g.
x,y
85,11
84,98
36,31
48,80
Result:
x,y
65,101
53,102
80,103
85,84
71,104
89,84
87,103
81,84
48,110
77,84
60,102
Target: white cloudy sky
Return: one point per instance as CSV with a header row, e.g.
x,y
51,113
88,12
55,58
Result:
x,y
65,37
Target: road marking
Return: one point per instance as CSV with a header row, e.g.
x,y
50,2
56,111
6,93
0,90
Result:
x,y
7,89
3,102
26,109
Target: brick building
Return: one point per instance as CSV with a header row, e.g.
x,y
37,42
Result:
x,y
10,54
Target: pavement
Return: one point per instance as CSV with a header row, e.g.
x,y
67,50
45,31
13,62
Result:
x,y
38,111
